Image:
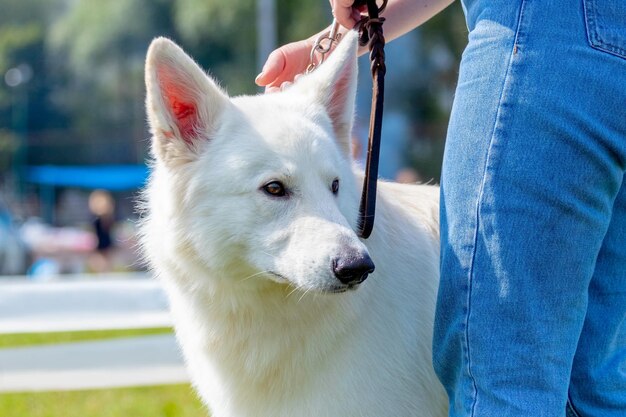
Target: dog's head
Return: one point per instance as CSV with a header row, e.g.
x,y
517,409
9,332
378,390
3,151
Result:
x,y
259,187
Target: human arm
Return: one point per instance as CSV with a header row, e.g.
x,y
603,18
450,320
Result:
x,y
401,16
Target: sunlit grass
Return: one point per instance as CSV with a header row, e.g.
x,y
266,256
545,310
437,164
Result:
x,y
160,401
30,339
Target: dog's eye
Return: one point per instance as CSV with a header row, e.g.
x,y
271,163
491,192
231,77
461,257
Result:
x,y
335,186
275,189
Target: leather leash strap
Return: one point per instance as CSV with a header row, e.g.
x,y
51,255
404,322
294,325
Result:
x,y
371,31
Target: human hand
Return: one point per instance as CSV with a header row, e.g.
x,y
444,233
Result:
x,y
284,65
346,15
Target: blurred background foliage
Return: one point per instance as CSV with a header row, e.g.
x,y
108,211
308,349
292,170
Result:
x,y
78,98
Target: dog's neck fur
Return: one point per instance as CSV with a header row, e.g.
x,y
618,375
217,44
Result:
x,y
242,333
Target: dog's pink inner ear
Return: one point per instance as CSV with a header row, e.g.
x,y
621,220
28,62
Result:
x,y
180,102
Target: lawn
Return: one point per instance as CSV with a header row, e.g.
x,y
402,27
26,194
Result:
x,y
161,401
31,339
158,401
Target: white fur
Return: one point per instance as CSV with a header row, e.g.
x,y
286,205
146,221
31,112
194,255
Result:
x,y
249,276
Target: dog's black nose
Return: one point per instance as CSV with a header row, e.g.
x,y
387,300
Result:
x,y
353,268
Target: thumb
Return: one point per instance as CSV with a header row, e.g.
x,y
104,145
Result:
x,y
274,65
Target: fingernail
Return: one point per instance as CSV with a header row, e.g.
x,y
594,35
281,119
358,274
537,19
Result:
x,y
256,80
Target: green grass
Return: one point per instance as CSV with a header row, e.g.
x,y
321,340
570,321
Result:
x,y
30,339
160,401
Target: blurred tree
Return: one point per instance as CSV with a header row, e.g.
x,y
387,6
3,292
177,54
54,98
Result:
x,y
99,48
18,42
24,77
428,93
224,38
221,37
87,93
300,19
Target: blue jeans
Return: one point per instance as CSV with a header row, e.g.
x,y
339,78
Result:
x,y
531,313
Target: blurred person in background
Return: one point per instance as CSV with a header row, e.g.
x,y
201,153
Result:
x,y
408,176
102,206
531,314
14,256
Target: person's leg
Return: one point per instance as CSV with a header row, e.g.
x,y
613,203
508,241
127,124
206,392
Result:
x,y
535,157
598,384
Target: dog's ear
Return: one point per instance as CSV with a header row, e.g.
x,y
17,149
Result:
x,y
333,85
182,102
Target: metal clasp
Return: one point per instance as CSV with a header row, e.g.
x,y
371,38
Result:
x,y
323,44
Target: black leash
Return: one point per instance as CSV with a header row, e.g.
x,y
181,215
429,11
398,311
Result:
x,y
370,30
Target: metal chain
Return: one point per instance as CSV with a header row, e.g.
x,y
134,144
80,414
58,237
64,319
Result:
x,y
323,44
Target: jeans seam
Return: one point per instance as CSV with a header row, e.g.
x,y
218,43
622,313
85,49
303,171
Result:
x,y
593,37
478,208
570,407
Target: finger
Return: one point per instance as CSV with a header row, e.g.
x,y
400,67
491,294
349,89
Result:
x,y
285,76
285,85
294,60
344,17
274,65
270,89
343,3
342,10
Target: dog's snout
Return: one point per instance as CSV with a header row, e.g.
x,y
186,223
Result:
x,y
353,268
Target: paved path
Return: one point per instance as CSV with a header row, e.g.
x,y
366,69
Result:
x,y
138,361
87,302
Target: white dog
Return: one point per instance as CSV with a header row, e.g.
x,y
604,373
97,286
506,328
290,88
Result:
x,y
250,219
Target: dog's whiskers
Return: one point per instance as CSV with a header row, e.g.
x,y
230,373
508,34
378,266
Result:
x,y
295,288
303,294
254,275
269,254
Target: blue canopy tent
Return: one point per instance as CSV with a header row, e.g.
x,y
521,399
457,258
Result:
x,y
106,177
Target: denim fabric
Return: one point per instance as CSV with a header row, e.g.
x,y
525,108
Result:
x,y
531,313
